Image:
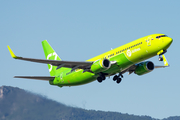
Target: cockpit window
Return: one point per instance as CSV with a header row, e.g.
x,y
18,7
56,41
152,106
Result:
x,y
161,36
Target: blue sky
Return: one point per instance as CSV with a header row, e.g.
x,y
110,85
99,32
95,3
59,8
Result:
x,y
79,30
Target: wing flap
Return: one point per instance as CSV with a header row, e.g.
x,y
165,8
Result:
x,y
46,78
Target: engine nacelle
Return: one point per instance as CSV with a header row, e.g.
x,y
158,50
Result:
x,y
144,67
100,65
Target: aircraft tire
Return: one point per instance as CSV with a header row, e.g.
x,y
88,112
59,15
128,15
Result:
x,y
160,59
115,77
99,79
118,80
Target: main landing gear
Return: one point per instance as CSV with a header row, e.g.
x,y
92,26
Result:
x,y
117,78
101,77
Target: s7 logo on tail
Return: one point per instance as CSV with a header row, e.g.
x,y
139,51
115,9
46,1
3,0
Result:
x,y
55,58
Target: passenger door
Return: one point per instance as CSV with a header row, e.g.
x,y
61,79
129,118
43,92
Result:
x,y
148,42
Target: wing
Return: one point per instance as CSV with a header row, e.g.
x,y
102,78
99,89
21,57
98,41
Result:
x,y
68,64
49,78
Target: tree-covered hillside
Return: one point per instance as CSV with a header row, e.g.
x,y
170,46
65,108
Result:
x,y
18,104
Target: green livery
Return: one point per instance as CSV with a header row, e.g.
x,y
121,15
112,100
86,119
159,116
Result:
x,y
126,58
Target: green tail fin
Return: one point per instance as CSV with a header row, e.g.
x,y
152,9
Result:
x,y
50,54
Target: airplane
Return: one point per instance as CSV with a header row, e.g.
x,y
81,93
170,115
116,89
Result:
x,y
126,58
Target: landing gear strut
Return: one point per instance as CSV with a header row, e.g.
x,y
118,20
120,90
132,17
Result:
x,y
117,78
162,52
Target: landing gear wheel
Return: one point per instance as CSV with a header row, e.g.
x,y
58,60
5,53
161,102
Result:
x,y
160,59
99,79
118,80
103,77
115,77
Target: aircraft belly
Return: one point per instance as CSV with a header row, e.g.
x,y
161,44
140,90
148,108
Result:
x,y
77,78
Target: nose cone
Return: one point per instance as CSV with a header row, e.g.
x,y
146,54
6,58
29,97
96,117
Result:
x,y
168,42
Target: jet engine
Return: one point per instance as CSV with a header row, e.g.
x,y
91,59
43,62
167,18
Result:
x,y
100,65
144,67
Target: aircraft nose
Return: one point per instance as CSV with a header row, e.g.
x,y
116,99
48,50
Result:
x,y
168,42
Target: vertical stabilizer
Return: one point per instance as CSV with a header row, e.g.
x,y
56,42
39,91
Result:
x,y
50,54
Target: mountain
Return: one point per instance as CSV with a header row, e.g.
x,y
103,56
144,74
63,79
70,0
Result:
x,y
18,104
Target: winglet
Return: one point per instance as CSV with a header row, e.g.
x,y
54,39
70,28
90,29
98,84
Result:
x,y
11,52
165,61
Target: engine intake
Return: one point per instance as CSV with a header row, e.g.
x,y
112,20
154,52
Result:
x,y
100,65
144,67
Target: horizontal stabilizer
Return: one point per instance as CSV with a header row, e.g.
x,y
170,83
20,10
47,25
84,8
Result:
x,y
37,77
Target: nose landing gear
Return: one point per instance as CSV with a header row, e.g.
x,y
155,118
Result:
x,y
160,53
160,58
